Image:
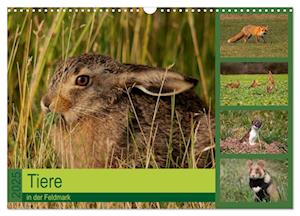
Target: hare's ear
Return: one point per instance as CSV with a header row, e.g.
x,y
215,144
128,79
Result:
x,y
157,82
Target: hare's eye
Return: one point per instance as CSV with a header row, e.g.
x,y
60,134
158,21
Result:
x,y
82,80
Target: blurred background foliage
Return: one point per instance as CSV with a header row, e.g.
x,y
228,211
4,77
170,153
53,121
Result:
x,y
41,39
254,68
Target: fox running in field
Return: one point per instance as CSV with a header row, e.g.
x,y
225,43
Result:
x,y
248,31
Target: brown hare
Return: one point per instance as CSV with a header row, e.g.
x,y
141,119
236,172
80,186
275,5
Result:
x,y
233,84
271,80
123,115
254,84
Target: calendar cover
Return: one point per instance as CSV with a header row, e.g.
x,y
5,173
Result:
x,y
129,108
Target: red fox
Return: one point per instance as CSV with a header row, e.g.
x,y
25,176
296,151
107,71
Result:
x,y
248,31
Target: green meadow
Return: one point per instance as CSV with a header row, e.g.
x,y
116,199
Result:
x,y
254,96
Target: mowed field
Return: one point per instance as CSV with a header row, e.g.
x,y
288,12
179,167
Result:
x,y
234,181
254,96
277,37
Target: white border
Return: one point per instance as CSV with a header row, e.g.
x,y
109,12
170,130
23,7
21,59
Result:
x,y
142,3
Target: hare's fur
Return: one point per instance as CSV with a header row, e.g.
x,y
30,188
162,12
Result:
x,y
126,112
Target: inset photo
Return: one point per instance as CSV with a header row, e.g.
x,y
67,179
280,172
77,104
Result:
x,y
254,35
255,132
254,83
254,181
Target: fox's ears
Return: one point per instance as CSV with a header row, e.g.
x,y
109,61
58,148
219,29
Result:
x,y
157,82
267,27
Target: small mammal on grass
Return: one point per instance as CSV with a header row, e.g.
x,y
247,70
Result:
x,y
254,84
248,31
233,84
253,134
109,111
271,81
261,183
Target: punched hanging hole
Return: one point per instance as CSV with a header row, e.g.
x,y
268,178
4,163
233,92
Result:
x,y
150,10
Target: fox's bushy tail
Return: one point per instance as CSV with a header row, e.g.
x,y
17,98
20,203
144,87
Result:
x,y
236,37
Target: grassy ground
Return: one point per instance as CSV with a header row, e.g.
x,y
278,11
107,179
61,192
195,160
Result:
x,y
235,183
115,205
36,41
235,124
277,37
254,96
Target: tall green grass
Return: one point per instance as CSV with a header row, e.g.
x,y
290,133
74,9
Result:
x,y
38,40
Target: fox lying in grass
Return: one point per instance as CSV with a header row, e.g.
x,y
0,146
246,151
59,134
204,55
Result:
x,y
248,31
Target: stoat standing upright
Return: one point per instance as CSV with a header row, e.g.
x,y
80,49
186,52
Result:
x,y
253,134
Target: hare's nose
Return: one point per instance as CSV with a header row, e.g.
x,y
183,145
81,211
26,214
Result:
x,y
45,104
